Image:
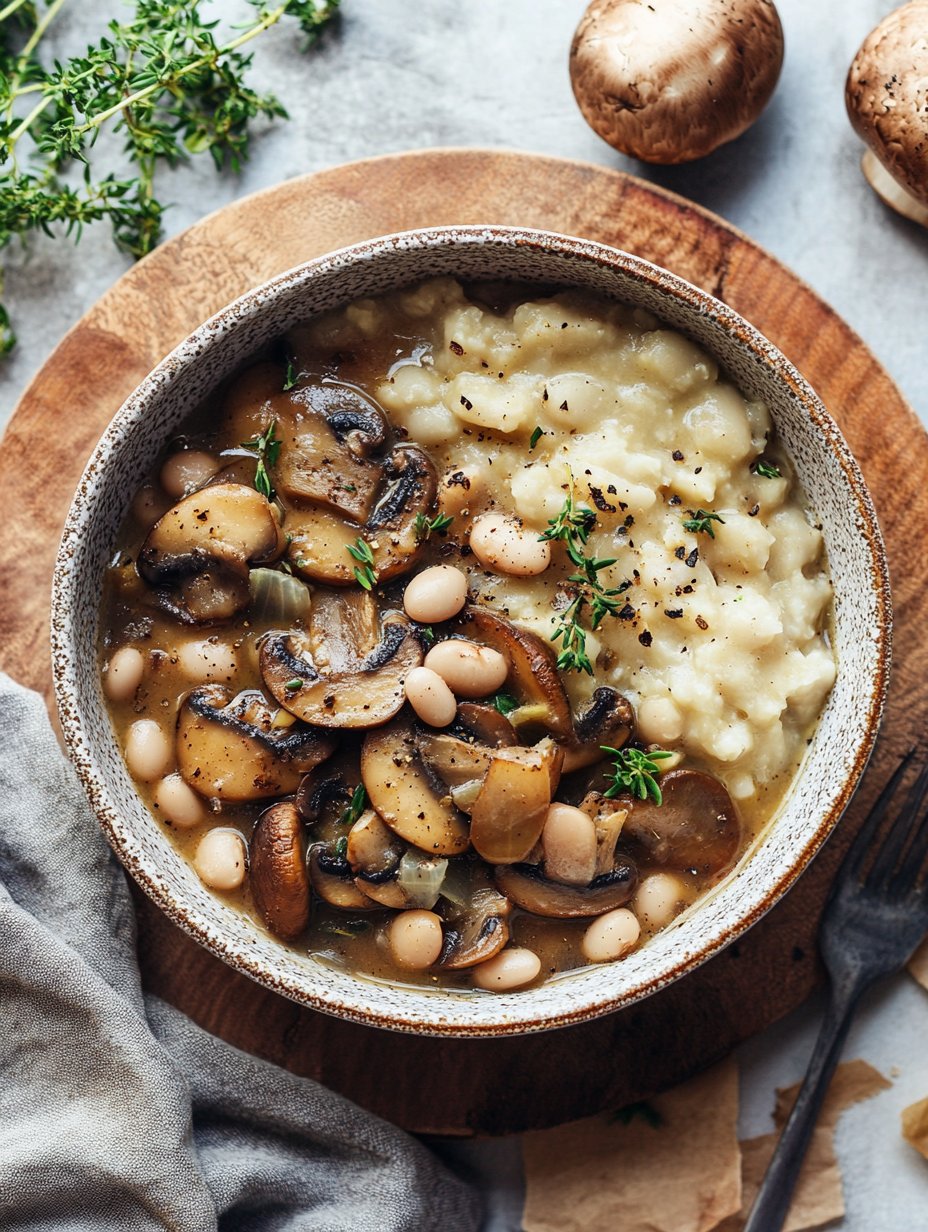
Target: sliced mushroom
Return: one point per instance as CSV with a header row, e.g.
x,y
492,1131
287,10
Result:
x,y
374,851
279,881
454,761
533,675
696,827
404,794
609,817
332,879
476,932
228,748
328,432
320,538
508,813
528,889
365,691
486,725
198,554
608,720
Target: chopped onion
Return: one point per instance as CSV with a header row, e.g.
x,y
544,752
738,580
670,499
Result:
x,y
465,794
420,878
457,887
278,597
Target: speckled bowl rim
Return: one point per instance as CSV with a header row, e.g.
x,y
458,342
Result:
x,y
421,1010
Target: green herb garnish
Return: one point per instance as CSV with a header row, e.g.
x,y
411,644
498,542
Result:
x,y
425,528
161,78
505,703
765,469
267,447
635,771
700,522
572,527
341,847
364,572
354,808
291,378
292,685
535,438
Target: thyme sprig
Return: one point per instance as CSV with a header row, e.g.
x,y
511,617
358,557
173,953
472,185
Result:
x,y
354,808
765,469
425,527
635,771
700,522
163,79
364,572
572,527
267,446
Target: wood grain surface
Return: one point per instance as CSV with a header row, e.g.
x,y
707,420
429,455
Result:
x,y
470,1086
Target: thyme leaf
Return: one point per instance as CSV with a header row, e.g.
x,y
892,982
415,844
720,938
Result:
x,y
267,446
700,522
635,771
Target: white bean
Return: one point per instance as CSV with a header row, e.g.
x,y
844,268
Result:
x,y
658,899
149,750
187,470
611,936
178,803
569,842
220,859
660,720
435,594
148,505
123,674
510,968
500,543
416,939
207,660
470,670
430,697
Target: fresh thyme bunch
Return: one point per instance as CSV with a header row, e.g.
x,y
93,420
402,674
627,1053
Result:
x,y
162,80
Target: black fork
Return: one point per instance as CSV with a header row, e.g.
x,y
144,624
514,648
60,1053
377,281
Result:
x,y
876,915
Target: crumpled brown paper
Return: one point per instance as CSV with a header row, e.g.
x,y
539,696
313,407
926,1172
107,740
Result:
x,y
680,1174
918,964
915,1126
818,1198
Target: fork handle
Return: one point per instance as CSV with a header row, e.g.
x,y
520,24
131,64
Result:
x,y
775,1194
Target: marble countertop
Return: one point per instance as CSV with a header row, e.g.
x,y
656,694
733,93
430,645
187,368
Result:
x,y
397,76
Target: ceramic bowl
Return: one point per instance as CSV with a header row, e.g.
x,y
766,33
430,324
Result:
x,y
835,759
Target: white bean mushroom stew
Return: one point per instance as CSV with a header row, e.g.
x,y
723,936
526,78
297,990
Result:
x,y
469,634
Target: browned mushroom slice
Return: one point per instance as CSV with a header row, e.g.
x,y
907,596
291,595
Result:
x,y
403,793
476,932
320,539
228,749
609,719
198,554
508,813
528,889
454,761
362,693
328,432
533,675
332,879
279,881
696,827
486,724
609,817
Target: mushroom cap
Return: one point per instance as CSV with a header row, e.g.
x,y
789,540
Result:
x,y
279,879
887,96
671,80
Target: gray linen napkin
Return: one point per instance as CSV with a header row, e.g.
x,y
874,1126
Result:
x,y
116,1112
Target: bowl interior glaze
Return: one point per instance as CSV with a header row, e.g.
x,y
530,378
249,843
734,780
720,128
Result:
x,y
832,480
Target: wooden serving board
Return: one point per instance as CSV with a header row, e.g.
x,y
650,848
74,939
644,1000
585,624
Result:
x,y
470,1086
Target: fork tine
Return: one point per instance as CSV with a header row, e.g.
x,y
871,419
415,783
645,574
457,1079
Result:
x,y
903,827
913,865
865,835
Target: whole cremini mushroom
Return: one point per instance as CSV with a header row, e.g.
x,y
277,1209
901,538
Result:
x,y
887,101
668,81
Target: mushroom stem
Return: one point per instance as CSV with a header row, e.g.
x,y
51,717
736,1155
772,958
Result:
x,y
891,192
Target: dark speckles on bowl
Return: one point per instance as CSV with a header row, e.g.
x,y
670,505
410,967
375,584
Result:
x,y
836,757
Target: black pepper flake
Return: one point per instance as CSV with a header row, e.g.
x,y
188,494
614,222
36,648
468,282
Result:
x,y
754,511
687,590
645,638
620,531
692,559
680,552
698,470
564,406
677,455
544,396
458,479
676,500
611,489
456,347
629,521
674,613
466,403
600,501
702,622
627,612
